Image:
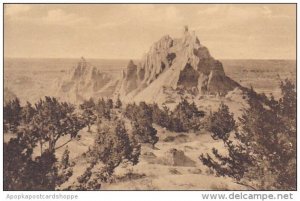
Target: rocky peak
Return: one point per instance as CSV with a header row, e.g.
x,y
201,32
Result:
x,y
163,44
131,67
83,81
80,69
85,71
177,63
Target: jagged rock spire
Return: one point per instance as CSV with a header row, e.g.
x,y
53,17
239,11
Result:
x,y
83,81
176,64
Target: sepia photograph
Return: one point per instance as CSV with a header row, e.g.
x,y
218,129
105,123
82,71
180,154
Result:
x,y
149,97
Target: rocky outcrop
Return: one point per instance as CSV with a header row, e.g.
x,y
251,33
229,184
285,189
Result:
x,y
85,81
176,157
171,69
175,64
188,77
131,78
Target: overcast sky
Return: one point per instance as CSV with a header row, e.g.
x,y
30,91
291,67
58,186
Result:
x,y
127,31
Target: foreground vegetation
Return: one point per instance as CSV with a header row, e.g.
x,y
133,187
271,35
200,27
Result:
x,y
261,145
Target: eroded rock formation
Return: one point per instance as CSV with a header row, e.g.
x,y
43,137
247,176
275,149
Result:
x,y
85,81
173,65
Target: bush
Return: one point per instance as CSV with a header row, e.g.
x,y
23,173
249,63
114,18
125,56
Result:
x,y
263,152
221,123
109,103
141,121
46,122
144,132
22,172
63,175
118,103
52,120
89,112
112,147
84,178
185,117
65,159
12,113
103,109
161,117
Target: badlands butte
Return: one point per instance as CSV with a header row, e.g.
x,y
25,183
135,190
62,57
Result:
x,y
173,68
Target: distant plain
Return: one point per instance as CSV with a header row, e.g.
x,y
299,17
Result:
x,y
31,79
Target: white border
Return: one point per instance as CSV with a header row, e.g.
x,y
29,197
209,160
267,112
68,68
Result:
x,y
128,195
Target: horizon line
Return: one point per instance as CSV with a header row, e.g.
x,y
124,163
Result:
x,y
139,58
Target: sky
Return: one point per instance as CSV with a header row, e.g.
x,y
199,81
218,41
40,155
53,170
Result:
x,y
229,31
